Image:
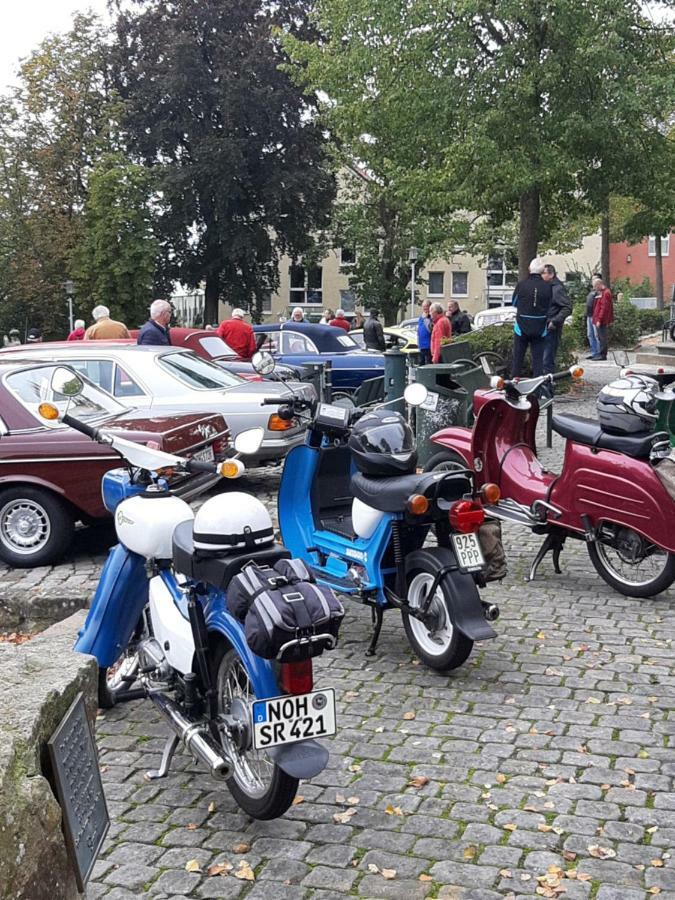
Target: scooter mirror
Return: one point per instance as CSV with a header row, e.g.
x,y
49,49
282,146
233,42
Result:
x,y
248,442
621,358
415,394
66,382
263,362
486,365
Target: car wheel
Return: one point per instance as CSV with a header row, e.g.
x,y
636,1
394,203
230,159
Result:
x,y
35,527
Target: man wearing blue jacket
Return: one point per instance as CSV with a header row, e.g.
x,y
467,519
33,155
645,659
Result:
x,y
424,327
532,299
156,329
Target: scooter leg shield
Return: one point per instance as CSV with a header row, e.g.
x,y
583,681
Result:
x,y
121,594
303,760
465,605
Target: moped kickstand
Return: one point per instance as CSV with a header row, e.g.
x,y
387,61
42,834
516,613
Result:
x,y
553,543
377,616
167,757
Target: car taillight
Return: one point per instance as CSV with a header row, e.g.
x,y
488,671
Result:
x,y
296,677
220,445
251,376
277,423
466,516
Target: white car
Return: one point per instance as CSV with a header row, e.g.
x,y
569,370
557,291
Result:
x,y
165,378
495,315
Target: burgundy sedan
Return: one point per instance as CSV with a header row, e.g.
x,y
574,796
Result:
x,y
50,475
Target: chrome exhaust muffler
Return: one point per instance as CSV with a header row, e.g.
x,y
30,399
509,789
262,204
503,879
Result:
x,y
194,735
491,611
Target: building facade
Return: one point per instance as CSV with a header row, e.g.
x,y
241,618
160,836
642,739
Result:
x,y
638,261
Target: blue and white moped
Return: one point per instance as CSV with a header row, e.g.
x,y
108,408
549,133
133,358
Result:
x,y
159,628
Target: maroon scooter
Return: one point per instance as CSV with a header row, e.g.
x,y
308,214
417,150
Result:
x,y
607,494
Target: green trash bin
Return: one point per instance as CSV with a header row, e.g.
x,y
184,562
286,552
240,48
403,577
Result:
x,y
450,402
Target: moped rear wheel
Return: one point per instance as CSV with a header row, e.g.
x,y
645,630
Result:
x,y
445,461
630,563
436,641
258,785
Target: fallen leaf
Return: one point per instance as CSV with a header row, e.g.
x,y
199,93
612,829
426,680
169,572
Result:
x,y
541,635
373,868
343,817
500,778
393,810
470,852
192,866
652,699
642,754
601,852
192,826
424,877
625,701
569,855
212,807
653,829
418,781
241,848
379,730
351,695
657,863
509,826
605,787
544,828
219,869
244,872
353,801
593,700
654,890
298,800
525,877
584,876
389,874
355,767
409,716
506,873
340,798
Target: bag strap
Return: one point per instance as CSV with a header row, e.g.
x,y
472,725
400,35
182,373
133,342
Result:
x,y
299,602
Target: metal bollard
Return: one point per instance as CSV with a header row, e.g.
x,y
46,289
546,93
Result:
x,y
395,378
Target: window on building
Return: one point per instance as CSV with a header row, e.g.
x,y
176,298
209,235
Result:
x,y
665,245
298,285
435,288
315,285
460,284
266,303
306,285
347,256
347,300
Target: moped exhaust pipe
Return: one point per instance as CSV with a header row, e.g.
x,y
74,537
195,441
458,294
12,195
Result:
x,y
194,736
490,611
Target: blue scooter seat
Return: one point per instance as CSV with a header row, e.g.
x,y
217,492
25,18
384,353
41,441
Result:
x,y
391,494
218,568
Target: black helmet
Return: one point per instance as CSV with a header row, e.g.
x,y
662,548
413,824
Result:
x,y
382,444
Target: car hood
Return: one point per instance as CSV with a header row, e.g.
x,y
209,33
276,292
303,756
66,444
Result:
x,y
256,391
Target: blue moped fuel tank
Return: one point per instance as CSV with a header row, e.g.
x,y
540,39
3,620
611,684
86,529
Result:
x,y
119,600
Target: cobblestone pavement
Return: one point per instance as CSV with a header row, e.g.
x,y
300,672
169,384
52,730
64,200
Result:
x,y
543,767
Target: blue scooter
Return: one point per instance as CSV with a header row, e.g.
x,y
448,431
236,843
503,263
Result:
x,y
365,536
160,628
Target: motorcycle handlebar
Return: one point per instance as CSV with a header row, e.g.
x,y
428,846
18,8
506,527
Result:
x,y
82,427
198,465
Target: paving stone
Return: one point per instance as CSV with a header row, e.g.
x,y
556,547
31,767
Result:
x,y
177,881
340,880
132,876
449,872
289,871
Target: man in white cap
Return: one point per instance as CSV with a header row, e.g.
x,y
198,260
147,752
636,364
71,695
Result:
x,y
105,328
238,335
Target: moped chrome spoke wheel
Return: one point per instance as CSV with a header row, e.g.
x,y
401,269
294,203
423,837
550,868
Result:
x,y
24,526
434,635
637,569
631,564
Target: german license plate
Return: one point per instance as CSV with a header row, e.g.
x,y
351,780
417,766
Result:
x,y
204,455
284,720
469,554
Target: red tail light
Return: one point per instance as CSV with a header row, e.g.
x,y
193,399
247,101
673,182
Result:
x,y
220,445
250,376
466,516
297,677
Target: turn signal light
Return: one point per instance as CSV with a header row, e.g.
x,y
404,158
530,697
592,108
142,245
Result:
x,y
48,411
490,493
466,516
417,505
231,468
276,423
296,677
497,382
576,372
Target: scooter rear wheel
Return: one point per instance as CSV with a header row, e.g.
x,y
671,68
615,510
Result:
x,y
258,785
630,565
445,461
438,644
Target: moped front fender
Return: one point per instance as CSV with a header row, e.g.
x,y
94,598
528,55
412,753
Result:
x,y
465,604
458,439
119,600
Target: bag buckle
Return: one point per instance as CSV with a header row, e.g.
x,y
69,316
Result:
x,y
293,597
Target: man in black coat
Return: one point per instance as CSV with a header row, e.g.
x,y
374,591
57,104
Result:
x,y
558,311
459,320
373,334
532,298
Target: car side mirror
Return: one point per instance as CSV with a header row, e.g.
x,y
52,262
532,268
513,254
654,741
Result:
x,y
263,362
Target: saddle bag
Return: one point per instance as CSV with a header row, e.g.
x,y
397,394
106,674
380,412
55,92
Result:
x,y
286,615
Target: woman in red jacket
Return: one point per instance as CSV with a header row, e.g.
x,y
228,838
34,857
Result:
x,y
603,316
441,332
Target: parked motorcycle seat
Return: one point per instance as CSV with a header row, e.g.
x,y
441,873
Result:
x,y
218,568
588,431
391,494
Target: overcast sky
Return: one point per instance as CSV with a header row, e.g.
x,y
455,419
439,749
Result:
x,y
26,22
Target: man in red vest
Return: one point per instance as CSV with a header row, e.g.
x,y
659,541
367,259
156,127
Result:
x,y
238,335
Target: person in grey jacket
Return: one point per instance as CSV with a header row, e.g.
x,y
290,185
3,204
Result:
x,y
560,308
373,334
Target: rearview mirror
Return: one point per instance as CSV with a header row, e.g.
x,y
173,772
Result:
x,y
621,358
66,382
415,394
248,442
486,365
263,362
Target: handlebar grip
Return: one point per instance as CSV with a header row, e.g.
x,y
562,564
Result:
x,y
273,401
561,376
82,427
198,465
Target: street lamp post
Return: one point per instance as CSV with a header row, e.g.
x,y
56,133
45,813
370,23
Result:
x,y
412,259
70,290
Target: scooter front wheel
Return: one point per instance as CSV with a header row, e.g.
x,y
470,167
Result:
x,y
630,564
435,641
257,784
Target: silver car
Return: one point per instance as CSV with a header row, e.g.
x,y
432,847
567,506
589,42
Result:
x,y
162,378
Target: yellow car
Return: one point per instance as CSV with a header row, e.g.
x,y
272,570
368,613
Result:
x,y
395,338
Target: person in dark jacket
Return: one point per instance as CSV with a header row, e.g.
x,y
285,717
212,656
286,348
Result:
x,y
156,329
424,328
373,333
532,299
558,311
459,320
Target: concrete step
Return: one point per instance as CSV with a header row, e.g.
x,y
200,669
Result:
x,y
655,359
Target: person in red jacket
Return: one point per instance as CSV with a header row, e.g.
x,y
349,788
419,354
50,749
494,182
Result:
x,y
441,331
77,334
238,335
603,316
339,321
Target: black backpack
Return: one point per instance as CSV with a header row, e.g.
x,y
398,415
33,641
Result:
x,y
286,615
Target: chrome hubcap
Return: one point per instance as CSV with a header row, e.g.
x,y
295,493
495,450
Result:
x,y
24,526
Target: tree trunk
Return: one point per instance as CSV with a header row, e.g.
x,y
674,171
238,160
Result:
x,y
659,272
529,230
604,247
211,297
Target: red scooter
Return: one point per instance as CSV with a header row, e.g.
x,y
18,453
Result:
x,y
607,493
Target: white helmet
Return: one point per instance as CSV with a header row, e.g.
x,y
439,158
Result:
x,y
628,405
231,522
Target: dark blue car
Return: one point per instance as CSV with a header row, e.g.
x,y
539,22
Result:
x,y
297,343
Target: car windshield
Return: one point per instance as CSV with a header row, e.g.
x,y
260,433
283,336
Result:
x,y
32,387
216,347
196,372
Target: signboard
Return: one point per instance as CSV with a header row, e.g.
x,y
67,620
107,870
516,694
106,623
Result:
x,y
431,402
77,777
